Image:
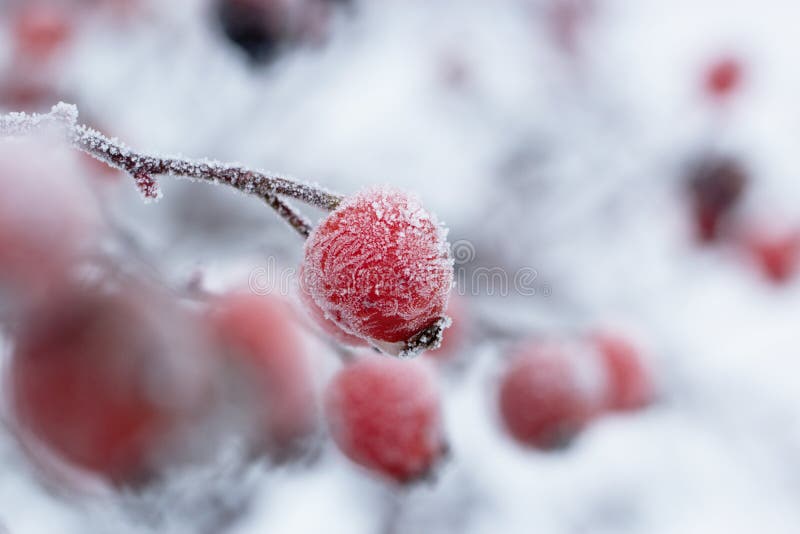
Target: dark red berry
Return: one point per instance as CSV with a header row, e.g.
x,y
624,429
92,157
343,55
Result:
x,y
715,185
384,415
257,27
263,28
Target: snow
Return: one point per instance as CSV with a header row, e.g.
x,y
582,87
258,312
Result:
x,y
567,167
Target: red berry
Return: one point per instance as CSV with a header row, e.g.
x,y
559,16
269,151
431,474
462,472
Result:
x,y
630,386
105,381
325,324
776,252
715,187
549,392
41,29
266,356
384,414
723,77
379,267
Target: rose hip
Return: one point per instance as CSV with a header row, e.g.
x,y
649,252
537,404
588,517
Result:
x,y
549,392
379,267
106,380
384,415
264,353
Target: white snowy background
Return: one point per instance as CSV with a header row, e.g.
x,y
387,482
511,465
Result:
x,y
569,166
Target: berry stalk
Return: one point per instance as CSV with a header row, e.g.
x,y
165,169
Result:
x,y
143,167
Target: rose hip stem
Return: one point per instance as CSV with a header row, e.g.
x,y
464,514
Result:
x,y
143,167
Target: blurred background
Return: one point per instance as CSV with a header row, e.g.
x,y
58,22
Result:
x,y
608,169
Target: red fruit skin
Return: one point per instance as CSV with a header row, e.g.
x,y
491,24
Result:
x,y
384,414
97,380
544,402
380,266
723,77
630,384
41,29
261,342
325,325
777,254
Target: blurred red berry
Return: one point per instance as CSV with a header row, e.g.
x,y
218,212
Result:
x,y
379,267
265,353
776,252
41,29
723,77
384,415
548,393
47,213
104,381
715,185
630,386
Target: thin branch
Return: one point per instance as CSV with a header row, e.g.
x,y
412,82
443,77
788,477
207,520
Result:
x,y
143,167
295,219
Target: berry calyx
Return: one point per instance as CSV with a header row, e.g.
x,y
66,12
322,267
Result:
x,y
379,267
630,385
549,392
457,333
715,185
384,414
265,355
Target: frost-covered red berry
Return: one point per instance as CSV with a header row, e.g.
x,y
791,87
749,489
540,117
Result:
x,y
269,368
776,252
549,392
105,381
325,324
723,77
629,382
384,414
715,185
379,267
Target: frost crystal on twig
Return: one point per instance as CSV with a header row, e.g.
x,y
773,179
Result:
x,y
144,168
